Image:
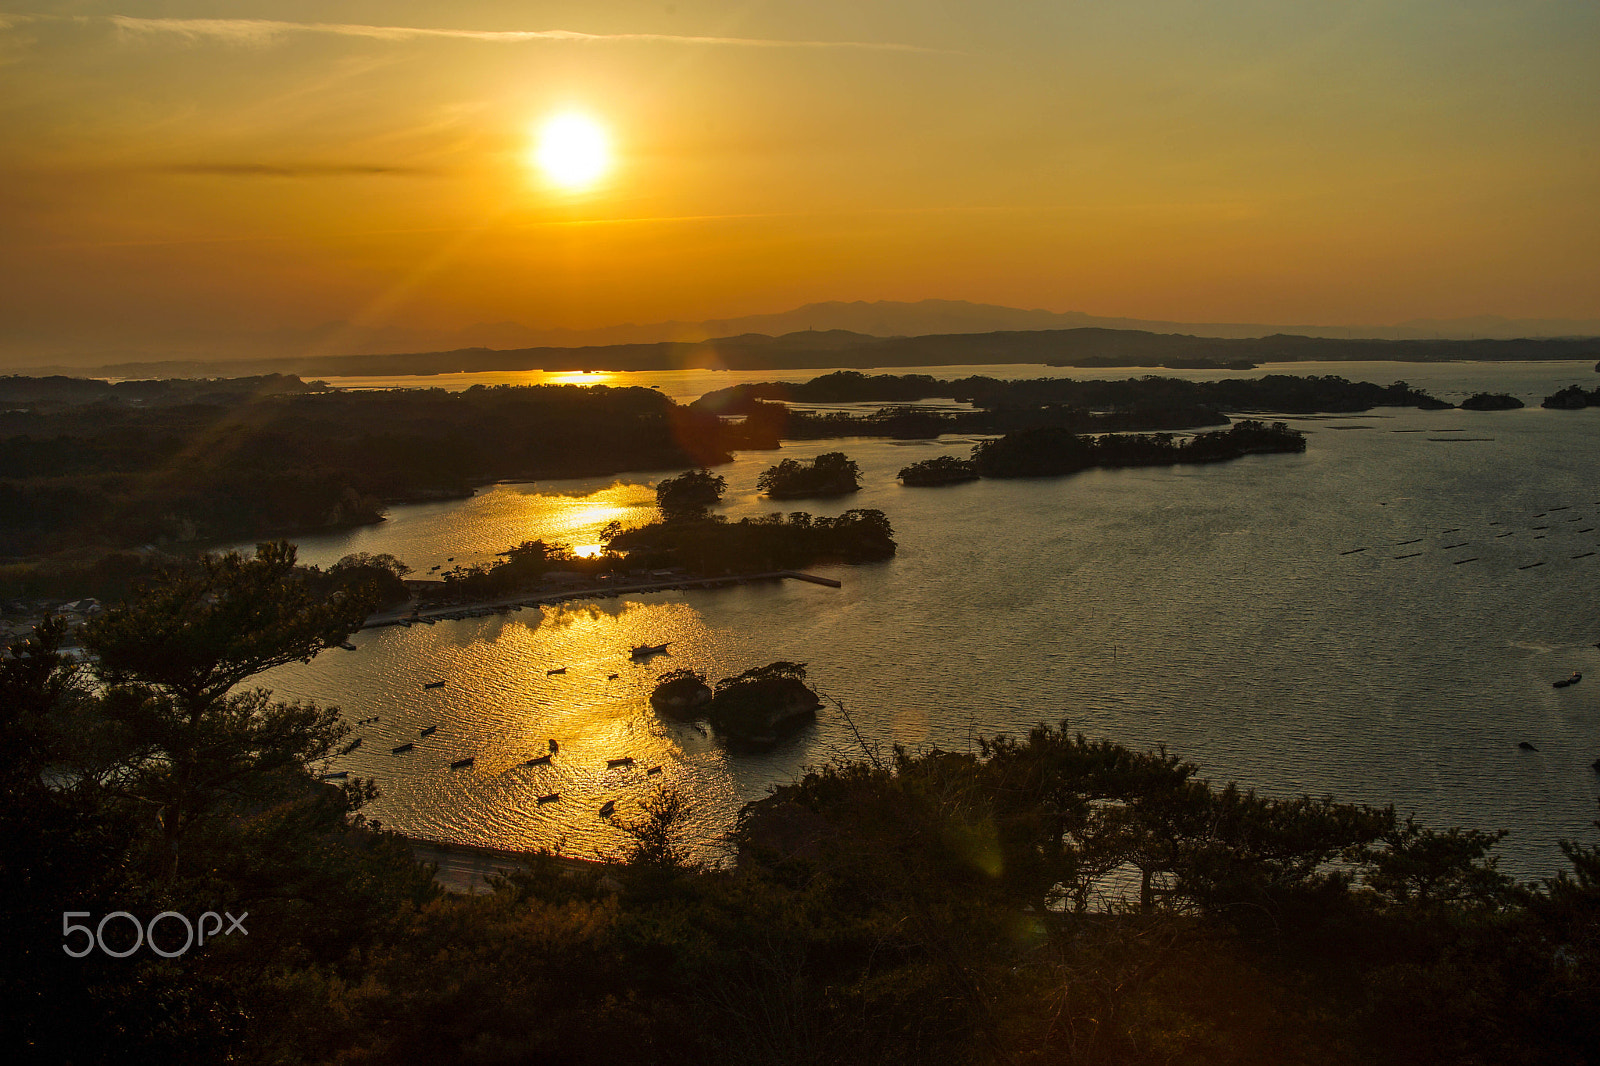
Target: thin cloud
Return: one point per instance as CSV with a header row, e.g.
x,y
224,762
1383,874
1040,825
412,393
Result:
x,y
297,170
269,31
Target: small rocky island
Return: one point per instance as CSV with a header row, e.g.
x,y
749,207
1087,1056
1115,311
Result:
x,y
754,710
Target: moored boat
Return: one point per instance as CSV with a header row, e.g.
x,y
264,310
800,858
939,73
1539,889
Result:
x,y
402,749
462,764
644,651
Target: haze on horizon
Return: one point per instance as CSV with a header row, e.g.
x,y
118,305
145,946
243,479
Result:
x,y
188,172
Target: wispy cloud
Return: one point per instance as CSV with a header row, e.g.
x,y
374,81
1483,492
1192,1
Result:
x,y
294,170
270,31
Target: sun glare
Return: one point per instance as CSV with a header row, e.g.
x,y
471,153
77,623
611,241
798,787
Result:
x,y
573,151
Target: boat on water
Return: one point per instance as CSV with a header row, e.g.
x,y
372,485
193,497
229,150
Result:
x,y
402,749
557,670
553,797
607,808
462,764
1568,682
644,651
539,760
429,730
626,760
339,776
347,646
433,684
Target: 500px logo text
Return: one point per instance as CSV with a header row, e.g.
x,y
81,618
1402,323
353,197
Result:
x,y
147,932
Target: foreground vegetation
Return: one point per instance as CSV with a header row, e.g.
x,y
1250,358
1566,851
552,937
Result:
x,y
1035,899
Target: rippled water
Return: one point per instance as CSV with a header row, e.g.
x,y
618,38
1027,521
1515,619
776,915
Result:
x,y
1207,608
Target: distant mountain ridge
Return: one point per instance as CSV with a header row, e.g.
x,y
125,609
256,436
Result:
x,y
823,349
880,318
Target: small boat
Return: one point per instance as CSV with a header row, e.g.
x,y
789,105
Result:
x,y
644,651
1568,682
340,776
652,770
554,747
433,684
612,677
429,730
352,746
402,749
557,670
538,760
607,808
462,764
347,646
554,797
626,760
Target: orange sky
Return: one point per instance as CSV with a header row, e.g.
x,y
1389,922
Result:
x,y
227,170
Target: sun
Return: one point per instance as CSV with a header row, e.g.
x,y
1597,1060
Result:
x,y
573,151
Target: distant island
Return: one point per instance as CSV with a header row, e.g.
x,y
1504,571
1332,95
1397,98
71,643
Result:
x,y
1282,393
1048,452
1573,398
1486,401
1090,346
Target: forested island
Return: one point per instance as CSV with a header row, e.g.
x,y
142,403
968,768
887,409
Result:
x,y
940,470
1572,398
1288,394
1491,401
713,545
102,475
1085,346
829,474
754,710
1037,898
688,543
1049,452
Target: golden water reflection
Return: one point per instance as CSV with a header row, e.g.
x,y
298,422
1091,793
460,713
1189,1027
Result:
x,y
513,684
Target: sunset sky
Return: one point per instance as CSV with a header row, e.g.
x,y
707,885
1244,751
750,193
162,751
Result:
x,y
179,169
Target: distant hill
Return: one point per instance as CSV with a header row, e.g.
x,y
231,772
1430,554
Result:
x,y
882,318
1091,346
